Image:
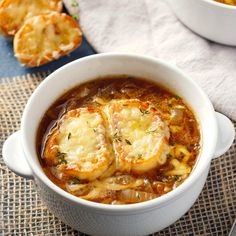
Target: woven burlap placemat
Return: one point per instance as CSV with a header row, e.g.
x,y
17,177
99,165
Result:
x,y
23,213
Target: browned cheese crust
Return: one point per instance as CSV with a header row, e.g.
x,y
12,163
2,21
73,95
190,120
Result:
x,y
13,13
44,38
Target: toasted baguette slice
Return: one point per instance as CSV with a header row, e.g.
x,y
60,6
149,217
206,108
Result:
x,y
44,38
140,137
79,146
13,13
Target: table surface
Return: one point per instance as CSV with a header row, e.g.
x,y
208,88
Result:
x,y
9,66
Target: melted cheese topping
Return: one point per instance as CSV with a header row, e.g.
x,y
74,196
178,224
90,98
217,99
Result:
x,y
13,13
140,137
81,138
86,133
179,167
45,38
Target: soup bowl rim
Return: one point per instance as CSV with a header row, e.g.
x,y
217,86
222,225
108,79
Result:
x,y
129,208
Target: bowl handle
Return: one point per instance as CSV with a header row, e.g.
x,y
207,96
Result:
x,y
226,134
14,156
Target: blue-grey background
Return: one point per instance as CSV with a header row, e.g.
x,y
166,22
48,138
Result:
x,y
9,66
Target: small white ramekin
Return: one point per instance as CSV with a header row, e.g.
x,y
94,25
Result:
x,y
208,18
20,155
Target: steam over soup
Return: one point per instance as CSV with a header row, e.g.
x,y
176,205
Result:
x,y
118,140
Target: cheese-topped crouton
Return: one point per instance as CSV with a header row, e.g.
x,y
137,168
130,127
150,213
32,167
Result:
x,y
140,137
44,38
79,146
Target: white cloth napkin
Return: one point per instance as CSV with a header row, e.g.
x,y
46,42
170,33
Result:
x,y
149,27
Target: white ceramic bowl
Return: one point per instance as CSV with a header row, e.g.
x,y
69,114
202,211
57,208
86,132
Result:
x,y
99,219
210,19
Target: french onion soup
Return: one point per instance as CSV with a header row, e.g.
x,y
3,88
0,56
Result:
x,y
118,140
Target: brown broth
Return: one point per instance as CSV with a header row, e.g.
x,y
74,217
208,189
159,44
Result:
x,y
126,87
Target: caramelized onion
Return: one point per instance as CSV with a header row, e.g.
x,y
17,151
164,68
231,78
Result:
x,y
133,196
78,189
96,193
108,185
147,186
176,116
118,183
57,173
